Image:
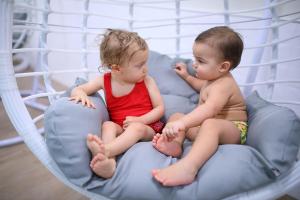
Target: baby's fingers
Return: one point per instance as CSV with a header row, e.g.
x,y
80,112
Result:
x,y
72,98
180,65
89,103
76,99
170,132
83,101
171,135
166,130
93,105
125,125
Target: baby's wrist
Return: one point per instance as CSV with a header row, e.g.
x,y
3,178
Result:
x,y
183,122
186,76
141,120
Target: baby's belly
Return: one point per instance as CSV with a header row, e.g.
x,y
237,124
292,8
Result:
x,y
233,115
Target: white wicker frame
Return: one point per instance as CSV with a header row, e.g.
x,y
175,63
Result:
x,y
25,125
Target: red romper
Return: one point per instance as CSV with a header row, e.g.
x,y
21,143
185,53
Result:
x,y
136,103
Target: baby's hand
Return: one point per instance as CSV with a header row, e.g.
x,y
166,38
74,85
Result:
x,y
173,128
181,70
130,119
85,101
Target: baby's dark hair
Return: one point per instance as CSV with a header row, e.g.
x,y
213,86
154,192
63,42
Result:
x,y
226,41
116,45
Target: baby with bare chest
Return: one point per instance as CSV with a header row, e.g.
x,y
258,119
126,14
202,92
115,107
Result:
x,y
235,106
219,118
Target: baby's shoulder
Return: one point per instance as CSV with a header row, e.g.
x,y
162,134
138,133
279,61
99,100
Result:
x,y
221,82
224,85
149,80
99,80
227,81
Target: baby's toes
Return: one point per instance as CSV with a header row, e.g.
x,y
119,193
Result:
x,y
97,140
155,139
90,137
97,158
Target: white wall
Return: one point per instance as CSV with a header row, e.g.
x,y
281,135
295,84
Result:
x,y
73,41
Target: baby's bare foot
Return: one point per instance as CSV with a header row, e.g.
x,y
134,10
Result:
x,y
166,146
103,166
179,173
94,144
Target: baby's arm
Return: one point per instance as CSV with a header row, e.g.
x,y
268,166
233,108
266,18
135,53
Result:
x,y
181,70
217,98
157,102
80,93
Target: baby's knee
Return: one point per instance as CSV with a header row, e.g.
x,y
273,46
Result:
x,y
108,125
209,124
192,133
137,128
211,127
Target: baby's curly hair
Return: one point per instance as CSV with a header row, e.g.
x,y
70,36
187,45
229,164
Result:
x,y
119,45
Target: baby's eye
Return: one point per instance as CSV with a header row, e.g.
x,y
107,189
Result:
x,y
200,61
140,65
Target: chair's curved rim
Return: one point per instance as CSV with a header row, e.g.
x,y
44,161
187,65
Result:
x,y
25,127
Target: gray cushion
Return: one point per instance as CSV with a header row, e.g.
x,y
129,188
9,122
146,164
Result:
x,y
161,68
274,131
174,90
232,169
66,126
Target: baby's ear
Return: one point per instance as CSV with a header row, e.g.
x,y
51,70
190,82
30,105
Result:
x,y
115,67
225,67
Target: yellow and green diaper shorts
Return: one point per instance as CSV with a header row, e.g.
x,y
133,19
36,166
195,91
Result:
x,y
242,126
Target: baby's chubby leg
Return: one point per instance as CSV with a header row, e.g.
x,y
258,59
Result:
x,y
109,132
169,146
211,133
104,164
133,133
101,164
